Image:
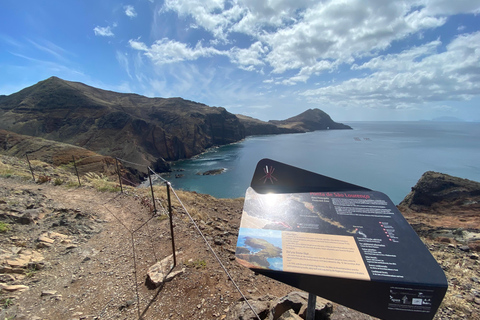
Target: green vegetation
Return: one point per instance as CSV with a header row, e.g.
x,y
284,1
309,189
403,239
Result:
x,y
9,170
4,227
101,182
162,217
30,272
199,264
67,166
7,302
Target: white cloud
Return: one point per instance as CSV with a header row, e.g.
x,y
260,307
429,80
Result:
x,y
415,76
167,51
103,31
130,11
447,7
249,58
343,31
122,59
212,15
314,37
137,45
50,48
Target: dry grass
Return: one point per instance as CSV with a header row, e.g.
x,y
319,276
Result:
x,y
14,167
459,269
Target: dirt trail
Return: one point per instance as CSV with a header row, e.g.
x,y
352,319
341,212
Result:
x,y
98,269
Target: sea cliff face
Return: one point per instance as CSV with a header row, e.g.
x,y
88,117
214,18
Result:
x,y
148,131
141,130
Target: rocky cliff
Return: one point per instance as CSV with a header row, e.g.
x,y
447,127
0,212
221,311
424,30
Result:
x,y
310,120
146,131
149,131
443,193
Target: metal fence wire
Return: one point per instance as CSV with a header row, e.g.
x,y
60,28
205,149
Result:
x,y
142,238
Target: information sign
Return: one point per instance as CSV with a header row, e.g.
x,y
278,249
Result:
x,y
337,240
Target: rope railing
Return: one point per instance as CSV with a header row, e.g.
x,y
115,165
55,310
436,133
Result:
x,y
158,176
132,163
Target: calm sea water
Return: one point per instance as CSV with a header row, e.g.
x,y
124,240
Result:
x,y
385,156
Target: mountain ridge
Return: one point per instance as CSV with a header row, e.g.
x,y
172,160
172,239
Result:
x,y
140,129
147,131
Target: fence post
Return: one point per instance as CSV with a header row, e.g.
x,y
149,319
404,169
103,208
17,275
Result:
x,y
151,189
170,213
119,176
76,171
31,170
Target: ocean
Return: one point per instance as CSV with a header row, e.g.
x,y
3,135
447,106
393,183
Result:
x,y
384,156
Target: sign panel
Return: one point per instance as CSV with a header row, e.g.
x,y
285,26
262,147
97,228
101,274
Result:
x,y
337,240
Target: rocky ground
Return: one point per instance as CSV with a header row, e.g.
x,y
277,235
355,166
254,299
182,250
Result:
x,y
70,252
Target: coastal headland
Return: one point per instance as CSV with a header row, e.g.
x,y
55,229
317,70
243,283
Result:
x,y
146,131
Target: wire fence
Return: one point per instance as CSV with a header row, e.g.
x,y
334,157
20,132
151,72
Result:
x,y
140,219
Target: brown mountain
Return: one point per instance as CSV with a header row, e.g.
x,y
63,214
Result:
x,y
310,120
255,127
149,131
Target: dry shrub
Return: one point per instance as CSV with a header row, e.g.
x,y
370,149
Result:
x,y
43,179
101,182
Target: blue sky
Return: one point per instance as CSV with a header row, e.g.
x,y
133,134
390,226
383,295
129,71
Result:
x,y
354,59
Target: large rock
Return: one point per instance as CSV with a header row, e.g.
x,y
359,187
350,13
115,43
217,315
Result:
x,y
293,306
441,191
294,300
20,259
290,315
161,272
262,306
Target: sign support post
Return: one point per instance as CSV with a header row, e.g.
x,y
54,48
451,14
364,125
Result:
x,y
312,301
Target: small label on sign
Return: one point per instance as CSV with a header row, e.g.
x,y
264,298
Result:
x,y
410,299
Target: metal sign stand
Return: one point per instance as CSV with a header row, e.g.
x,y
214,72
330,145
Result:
x,y
312,301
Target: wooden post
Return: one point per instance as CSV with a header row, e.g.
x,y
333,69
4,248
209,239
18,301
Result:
x,y
76,171
31,170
